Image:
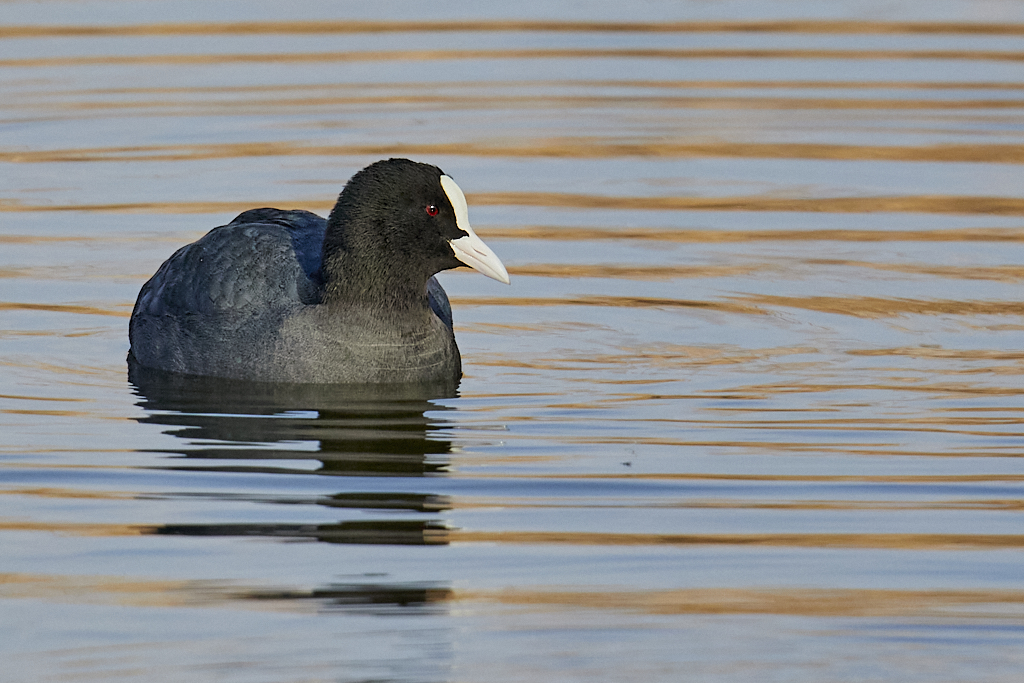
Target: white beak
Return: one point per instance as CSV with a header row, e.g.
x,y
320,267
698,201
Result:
x,y
470,249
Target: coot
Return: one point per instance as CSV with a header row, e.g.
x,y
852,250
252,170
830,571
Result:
x,y
286,296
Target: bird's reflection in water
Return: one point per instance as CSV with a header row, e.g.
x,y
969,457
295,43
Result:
x,y
353,431
403,598
372,430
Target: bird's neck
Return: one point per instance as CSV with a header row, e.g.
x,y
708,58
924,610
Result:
x,y
380,291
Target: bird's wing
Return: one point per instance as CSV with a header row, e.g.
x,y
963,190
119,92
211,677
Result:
x,y
438,299
264,259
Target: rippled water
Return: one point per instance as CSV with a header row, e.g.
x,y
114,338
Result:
x,y
751,409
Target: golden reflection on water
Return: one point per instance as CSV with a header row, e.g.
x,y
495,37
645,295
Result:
x,y
630,272
836,602
513,55
873,307
579,148
76,529
785,380
994,206
466,503
810,540
862,307
584,234
197,99
63,308
442,536
777,601
998,273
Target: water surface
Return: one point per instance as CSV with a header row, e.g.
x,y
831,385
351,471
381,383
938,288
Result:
x,y
752,408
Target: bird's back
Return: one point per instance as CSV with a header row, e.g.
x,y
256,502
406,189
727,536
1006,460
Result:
x,y
244,302
224,295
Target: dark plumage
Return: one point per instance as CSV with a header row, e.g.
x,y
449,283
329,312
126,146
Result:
x,y
285,296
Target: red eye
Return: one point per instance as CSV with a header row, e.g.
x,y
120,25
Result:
x,y
431,210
